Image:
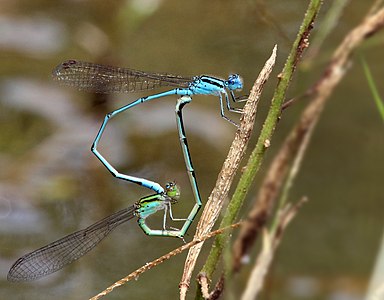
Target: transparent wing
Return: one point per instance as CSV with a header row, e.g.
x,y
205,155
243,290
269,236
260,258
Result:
x,y
107,79
64,251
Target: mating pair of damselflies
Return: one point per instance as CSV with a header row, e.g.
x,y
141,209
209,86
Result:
x,y
106,79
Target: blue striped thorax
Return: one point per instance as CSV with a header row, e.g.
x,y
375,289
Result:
x,y
209,85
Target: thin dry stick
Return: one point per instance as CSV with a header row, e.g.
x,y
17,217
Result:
x,y
231,164
283,216
204,283
256,157
270,242
267,256
162,259
324,87
296,144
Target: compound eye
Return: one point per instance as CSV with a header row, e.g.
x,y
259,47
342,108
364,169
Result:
x,y
233,78
169,185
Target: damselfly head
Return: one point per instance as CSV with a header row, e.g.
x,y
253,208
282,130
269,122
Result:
x,y
234,82
172,190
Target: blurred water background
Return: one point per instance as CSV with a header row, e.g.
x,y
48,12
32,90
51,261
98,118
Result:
x,y
51,184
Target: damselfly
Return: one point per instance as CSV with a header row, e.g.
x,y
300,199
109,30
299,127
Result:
x,y
107,79
56,255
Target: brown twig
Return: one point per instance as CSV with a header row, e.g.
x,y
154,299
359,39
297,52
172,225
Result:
x,y
225,177
216,292
303,130
270,242
204,285
162,259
